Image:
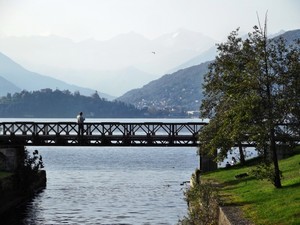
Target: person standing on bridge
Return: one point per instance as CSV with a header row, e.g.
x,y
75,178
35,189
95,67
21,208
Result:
x,y
80,121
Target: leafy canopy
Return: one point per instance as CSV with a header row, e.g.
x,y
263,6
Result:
x,y
251,89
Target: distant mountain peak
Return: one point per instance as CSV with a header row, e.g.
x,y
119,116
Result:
x,y
175,34
128,36
15,78
181,90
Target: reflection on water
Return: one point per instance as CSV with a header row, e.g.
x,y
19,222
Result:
x,y
112,186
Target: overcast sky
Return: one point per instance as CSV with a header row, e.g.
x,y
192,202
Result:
x,y
104,19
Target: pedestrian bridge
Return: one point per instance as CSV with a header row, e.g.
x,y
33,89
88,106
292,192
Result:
x,y
100,134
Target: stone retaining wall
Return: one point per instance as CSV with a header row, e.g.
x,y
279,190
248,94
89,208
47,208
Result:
x,y
11,157
232,215
10,194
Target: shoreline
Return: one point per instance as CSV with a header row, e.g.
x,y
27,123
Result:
x,y
12,196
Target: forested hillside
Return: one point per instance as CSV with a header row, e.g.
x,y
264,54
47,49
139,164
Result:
x,y
178,92
63,104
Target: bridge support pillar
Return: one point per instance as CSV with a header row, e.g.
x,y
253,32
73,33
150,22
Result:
x,y
207,163
11,158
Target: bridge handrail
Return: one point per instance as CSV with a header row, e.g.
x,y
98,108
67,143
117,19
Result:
x,y
66,128
110,133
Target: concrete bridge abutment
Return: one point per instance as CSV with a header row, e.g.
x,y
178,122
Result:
x,y
11,157
207,164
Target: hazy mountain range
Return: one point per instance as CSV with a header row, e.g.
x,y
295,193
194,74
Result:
x,y
114,66
181,90
176,91
14,78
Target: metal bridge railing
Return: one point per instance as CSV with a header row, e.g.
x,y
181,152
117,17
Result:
x,y
106,133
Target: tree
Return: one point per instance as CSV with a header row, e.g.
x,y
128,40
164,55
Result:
x,y
251,89
96,95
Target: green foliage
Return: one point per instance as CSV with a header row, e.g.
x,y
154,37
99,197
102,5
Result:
x,y
203,201
28,173
265,172
33,163
251,88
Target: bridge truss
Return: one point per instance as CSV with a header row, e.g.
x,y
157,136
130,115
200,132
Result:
x,y
100,134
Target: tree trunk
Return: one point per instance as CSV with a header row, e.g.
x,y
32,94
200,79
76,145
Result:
x,y
277,179
242,155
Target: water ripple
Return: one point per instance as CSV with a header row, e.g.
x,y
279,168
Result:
x,y
111,186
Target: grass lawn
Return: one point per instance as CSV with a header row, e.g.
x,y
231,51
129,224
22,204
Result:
x,y
261,202
4,174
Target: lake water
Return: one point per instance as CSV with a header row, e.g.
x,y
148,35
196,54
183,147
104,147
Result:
x,y
112,185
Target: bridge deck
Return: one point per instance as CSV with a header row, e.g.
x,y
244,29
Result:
x,y
100,134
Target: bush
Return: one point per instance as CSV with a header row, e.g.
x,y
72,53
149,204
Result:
x,y
33,163
203,202
265,171
28,173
